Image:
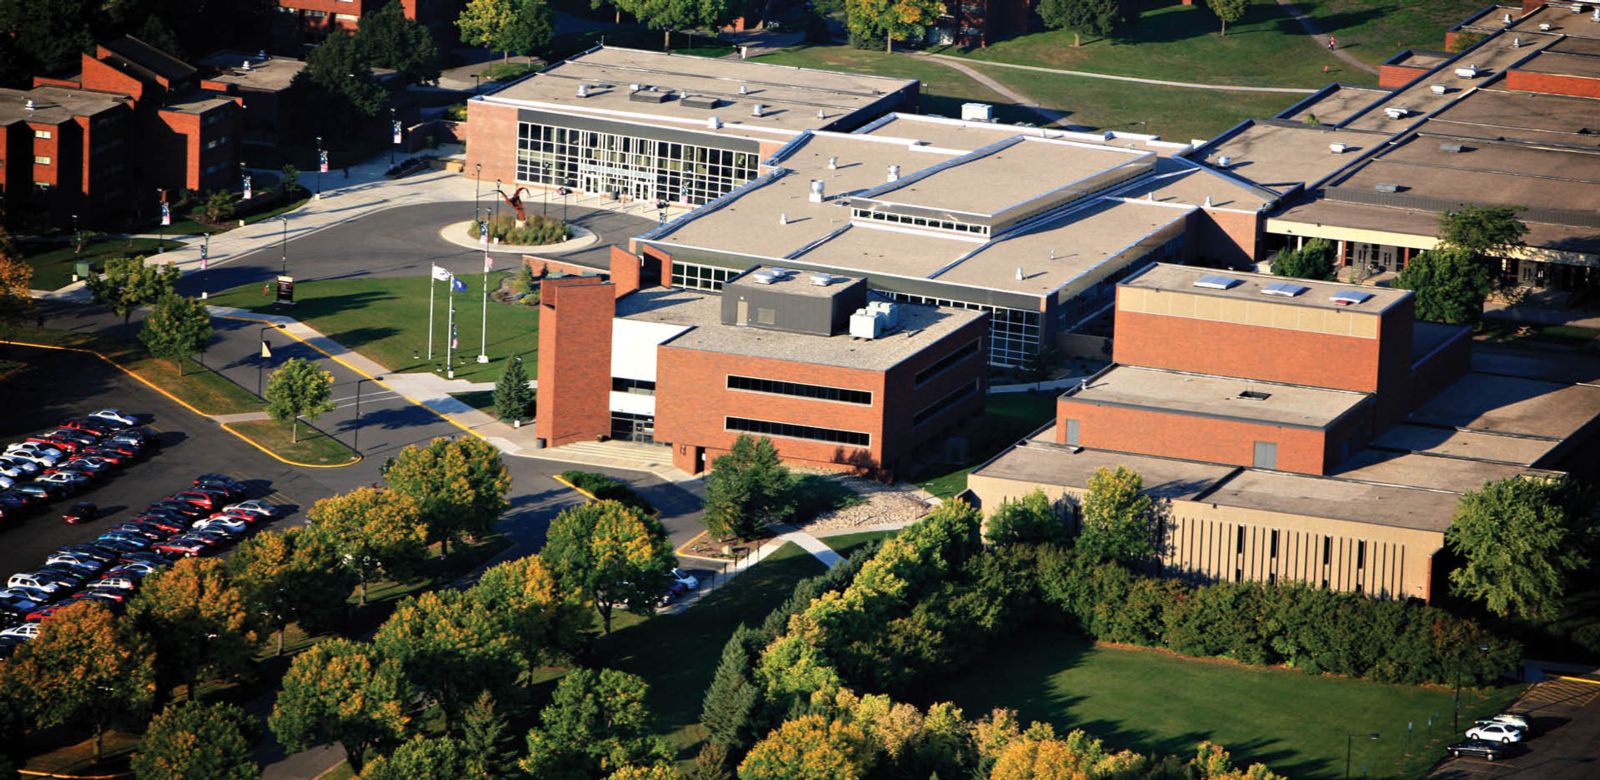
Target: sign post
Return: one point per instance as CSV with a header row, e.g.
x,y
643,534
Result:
x,y
285,291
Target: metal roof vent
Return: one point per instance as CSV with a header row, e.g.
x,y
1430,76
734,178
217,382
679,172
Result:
x,y
1544,27
1337,148
1217,282
765,277
1452,148
1254,395
744,90
1439,89
1467,71
1350,297
583,90
1505,18
821,280
1397,112
833,163
1208,202
822,114
1516,42
1384,186
782,273
1224,161
713,123
632,88
783,218
246,65
818,191
894,173
758,109
1285,289
28,104
1020,274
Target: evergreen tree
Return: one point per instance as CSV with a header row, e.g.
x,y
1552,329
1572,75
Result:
x,y
486,740
748,489
513,398
389,40
730,703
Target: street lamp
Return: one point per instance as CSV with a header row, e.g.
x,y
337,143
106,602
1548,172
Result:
x,y
396,139
477,190
161,224
205,263
283,263
1455,720
357,443
1348,740
320,160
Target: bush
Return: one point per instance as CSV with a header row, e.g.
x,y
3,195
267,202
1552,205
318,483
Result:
x,y
607,489
539,230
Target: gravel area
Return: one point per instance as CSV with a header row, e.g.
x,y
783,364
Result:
x,y
881,506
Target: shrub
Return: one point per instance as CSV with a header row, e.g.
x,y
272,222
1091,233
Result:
x,y
607,489
538,231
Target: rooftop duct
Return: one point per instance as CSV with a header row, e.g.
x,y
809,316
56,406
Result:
x,y
894,173
818,189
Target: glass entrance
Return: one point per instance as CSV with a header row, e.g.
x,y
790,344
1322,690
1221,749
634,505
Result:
x,y
627,426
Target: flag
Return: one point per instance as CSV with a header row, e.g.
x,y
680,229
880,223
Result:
x,y
483,232
166,214
266,350
203,257
455,337
322,159
247,191
488,263
456,285
395,126
440,274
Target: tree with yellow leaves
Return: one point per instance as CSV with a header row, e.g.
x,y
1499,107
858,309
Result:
x,y
199,621
611,555
459,486
545,621
894,20
339,691
373,533
809,748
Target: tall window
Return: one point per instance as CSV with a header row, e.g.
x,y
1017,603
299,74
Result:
x,y
701,277
791,431
641,168
1013,333
798,389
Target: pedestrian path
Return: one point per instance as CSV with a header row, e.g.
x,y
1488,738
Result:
x,y
809,543
951,59
1316,34
786,534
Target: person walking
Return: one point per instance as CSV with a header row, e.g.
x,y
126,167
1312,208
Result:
x,y
1333,42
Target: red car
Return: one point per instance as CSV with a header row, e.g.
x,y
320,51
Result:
x,y
186,546
160,523
205,501
65,445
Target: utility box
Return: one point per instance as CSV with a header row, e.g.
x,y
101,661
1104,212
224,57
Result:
x,y
977,112
84,269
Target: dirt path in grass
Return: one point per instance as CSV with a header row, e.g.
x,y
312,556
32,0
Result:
x,y
1050,116
1311,28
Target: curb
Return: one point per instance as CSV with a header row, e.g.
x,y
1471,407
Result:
x,y
37,773
180,402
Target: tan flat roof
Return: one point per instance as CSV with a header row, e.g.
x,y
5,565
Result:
x,y
1337,499
1456,475
1563,367
1522,116
1421,225
792,96
1281,155
1492,57
966,135
1182,278
986,183
1339,103
195,102
1041,462
1217,396
52,105
1512,405
1474,445
872,249
920,326
1561,19
1487,173
272,74
1586,66
1180,182
1421,58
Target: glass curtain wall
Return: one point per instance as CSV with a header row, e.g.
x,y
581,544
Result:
x,y
629,166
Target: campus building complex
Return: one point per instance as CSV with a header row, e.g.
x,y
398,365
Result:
x,y
1299,430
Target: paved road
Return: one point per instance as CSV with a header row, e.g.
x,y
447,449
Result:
x,y
1565,744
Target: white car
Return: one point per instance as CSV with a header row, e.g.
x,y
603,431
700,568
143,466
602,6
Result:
x,y
6,482
26,631
253,507
42,584
1495,732
687,580
115,417
21,464
1510,718
44,456
232,525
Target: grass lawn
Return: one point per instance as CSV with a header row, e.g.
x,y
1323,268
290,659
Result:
x,y
387,321
1152,701
845,544
53,263
314,446
482,400
198,386
943,89
1181,43
1375,30
1006,418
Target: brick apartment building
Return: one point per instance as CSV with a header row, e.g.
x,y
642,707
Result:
x,y
776,354
307,21
1299,430
103,141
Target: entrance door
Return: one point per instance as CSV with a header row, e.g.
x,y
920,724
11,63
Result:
x,y
742,313
1530,273
644,430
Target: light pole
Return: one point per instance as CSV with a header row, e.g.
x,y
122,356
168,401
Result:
x,y
1455,720
357,444
322,161
395,129
475,78
477,190
161,224
205,263
77,237
283,260
1348,740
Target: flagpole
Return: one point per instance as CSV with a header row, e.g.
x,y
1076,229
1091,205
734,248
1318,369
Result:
x,y
450,340
430,314
483,348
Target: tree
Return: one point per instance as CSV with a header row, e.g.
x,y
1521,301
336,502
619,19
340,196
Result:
x,y
299,388
486,740
199,621
1492,231
1519,539
16,281
127,283
1039,364
809,748
1116,518
532,26
893,20
286,577
596,721
484,22
339,66
177,327
513,398
729,708
611,555
1032,519
1093,17
450,647
1450,284
340,691
51,34
651,772
290,180
85,667
543,619
218,207
459,486
669,15
1315,260
193,740
748,489
372,532
388,39
420,758
1228,11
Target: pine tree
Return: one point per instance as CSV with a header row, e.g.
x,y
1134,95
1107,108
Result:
x,y
486,740
730,703
513,399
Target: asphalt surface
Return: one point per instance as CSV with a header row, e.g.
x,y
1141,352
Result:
x,y
1565,744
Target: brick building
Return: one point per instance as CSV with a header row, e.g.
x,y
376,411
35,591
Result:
x,y
307,21
133,120
834,379
1300,430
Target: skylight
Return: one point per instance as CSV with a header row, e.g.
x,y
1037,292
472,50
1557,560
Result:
x,y
1285,289
1351,297
1215,282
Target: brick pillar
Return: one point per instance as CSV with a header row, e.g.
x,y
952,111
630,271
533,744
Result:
x,y
575,359
626,269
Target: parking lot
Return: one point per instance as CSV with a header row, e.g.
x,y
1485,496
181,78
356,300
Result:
x,y
61,385
1565,717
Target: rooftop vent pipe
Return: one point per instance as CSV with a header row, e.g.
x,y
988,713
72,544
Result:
x,y
28,105
1224,161
818,187
1020,275
783,218
583,90
246,64
757,109
822,114
833,163
713,123
894,173
744,90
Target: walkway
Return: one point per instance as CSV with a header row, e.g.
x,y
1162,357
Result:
x,y
1049,115
959,62
1311,29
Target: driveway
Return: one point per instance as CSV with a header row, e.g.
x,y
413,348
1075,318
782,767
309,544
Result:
x,y
1565,717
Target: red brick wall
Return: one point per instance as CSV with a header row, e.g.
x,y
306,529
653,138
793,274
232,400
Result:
x,y
904,441
492,141
49,147
101,77
1248,351
625,270
1553,84
1396,76
544,265
574,359
1226,236
1195,437
1394,364
179,160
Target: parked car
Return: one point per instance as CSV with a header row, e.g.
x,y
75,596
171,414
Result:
x,y
96,428
12,501
147,531
183,509
162,522
232,525
88,464
187,546
1496,732
15,470
81,512
21,465
116,417
24,631
1479,748
134,569
219,479
22,600
6,482
254,507
139,541
76,562
685,579
109,457
45,613
54,586
39,457
67,482
148,557
115,582
218,533
44,491
1516,719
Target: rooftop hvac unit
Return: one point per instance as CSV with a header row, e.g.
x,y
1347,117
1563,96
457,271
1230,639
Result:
x,y
758,110
583,90
1386,187
818,190
1396,112
1337,148
821,280
833,163
888,311
247,65
699,101
765,277
781,273
632,88
1452,148
713,123
1440,89
744,89
1467,71
1224,161
977,112
1544,27
894,173
865,325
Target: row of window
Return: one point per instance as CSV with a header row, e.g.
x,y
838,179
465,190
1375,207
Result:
x,y
950,399
905,219
799,390
700,277
771,428
959,354
634,386
641,168
1013,333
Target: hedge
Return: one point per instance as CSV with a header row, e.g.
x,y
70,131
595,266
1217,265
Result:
x,y
538,231
608,489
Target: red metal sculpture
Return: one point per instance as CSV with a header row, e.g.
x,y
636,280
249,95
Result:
x,y
515,202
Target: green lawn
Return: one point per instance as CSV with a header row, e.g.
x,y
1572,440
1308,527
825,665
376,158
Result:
x,y
1152,701
943,89
197,385
387,321
1006,418
1375,30
1181,43
53,264
314,446
845,544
